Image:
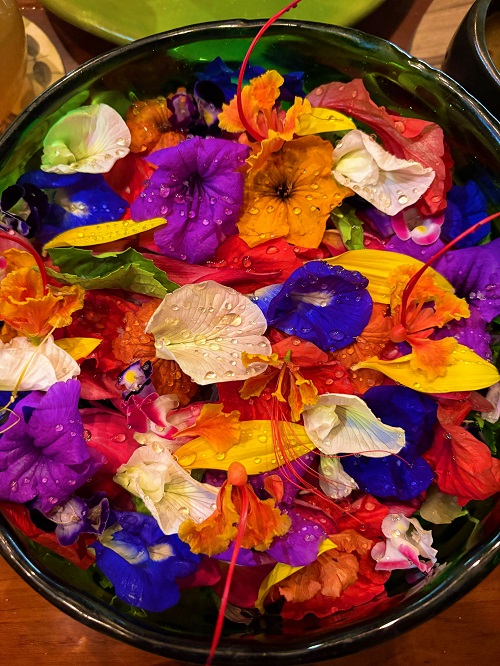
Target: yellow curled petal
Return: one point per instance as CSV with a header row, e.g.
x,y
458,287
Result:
x,y
255,450
468,372
78,348
106,232
318,120
377,266
282,571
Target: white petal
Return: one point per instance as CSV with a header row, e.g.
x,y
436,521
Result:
x,y
388,182
43,365
341,423
333,480
89,140
173,496
205,327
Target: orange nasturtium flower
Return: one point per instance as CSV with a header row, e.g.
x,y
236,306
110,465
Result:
x,y
150,129
23,305
291,195
264,521
430,306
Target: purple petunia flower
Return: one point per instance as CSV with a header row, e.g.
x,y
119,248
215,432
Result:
x,y
43,454
78,515
142,562
326,305
199,191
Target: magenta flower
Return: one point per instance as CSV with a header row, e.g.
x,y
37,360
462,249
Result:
x,y
198,190
43,454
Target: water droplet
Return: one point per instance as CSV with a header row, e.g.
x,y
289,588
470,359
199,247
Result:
x,y
187,459
59,427
262,438
297,210
256,461
402,199
337,335
210,375
253,210
119,438
220,455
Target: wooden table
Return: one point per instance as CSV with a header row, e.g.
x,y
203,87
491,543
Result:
x,y
33,632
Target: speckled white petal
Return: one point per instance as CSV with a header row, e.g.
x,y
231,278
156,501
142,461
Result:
x,y
167,490
205,327
43,365
341,423
89,140
333,480
388,182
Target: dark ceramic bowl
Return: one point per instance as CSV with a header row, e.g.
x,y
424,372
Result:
x,y
156,65
468,60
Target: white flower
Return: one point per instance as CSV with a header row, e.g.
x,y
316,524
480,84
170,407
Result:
x,y
333,480
42,365
406,542
205,327
493,396
89,140
341,423
167,490
386,181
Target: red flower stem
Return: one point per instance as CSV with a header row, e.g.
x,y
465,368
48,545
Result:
x,y
413,281
29,248
244,64
227,586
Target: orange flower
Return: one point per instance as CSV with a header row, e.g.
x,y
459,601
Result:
x,y
23,304
291,195
134,344
148,122
222,431
214,535
429,307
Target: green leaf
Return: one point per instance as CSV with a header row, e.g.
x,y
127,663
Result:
x,y
349,226
127,270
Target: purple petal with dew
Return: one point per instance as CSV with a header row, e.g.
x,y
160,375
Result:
x,y
326,305
199,191
299,546
77,516
470,332
246,557
291,481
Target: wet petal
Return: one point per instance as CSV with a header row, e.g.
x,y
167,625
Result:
x,y
334,481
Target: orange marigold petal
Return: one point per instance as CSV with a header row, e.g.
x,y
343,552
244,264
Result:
x,y
222,431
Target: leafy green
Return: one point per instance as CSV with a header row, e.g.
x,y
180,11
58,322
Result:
x,y
127,270
349,226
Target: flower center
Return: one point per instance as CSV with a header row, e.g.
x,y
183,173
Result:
x,y
283,190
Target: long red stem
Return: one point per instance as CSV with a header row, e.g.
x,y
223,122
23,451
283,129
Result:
x,y
230,572
255,135
24,244
413,281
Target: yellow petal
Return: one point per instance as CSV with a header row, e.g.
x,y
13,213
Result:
x,y
282,571
377,265
95,234
78,347
322,120
255,450
469,372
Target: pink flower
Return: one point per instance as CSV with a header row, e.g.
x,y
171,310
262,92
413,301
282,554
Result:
x,y
406,542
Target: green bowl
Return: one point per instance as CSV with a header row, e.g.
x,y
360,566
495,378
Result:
x,y
156,66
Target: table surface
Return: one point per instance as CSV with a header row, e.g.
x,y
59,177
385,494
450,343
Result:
x,y
35,632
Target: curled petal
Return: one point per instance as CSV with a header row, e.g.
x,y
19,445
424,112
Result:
x,y
205,328
89,139
406,542
386,181
341,423
334,481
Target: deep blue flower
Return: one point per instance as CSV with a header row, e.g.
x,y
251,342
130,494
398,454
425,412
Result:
x,y
77,516
75,200
43,454
404,476
466,206
22,208
142,562
327,305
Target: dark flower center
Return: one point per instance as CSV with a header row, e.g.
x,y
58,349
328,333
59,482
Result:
x,y
283,190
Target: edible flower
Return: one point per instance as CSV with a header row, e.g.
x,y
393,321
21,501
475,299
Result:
x,y
406,541
150,127
78,516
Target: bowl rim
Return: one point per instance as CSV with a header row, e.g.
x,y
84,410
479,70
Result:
x,y
469,571
476,23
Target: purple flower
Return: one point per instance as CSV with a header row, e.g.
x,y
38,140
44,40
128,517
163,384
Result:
x,y
326,305
22,208
299,546
43,454
199,191
142,562
78,515
470,332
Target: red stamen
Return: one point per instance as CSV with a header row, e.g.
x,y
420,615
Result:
x,y
244,64
28,247
413,281
227,586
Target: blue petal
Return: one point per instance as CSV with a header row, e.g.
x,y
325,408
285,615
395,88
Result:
x,y
327,305
407,475
466,206
263,297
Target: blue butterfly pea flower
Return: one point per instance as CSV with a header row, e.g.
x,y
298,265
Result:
x,y
76,200
466,206
404,476
142,562
326,305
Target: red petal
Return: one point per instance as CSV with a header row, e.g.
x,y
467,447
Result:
x,y
110,436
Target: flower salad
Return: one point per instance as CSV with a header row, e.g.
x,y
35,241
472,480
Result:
x,y
247,343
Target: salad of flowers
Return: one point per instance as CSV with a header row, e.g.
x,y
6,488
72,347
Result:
x,y
243,335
